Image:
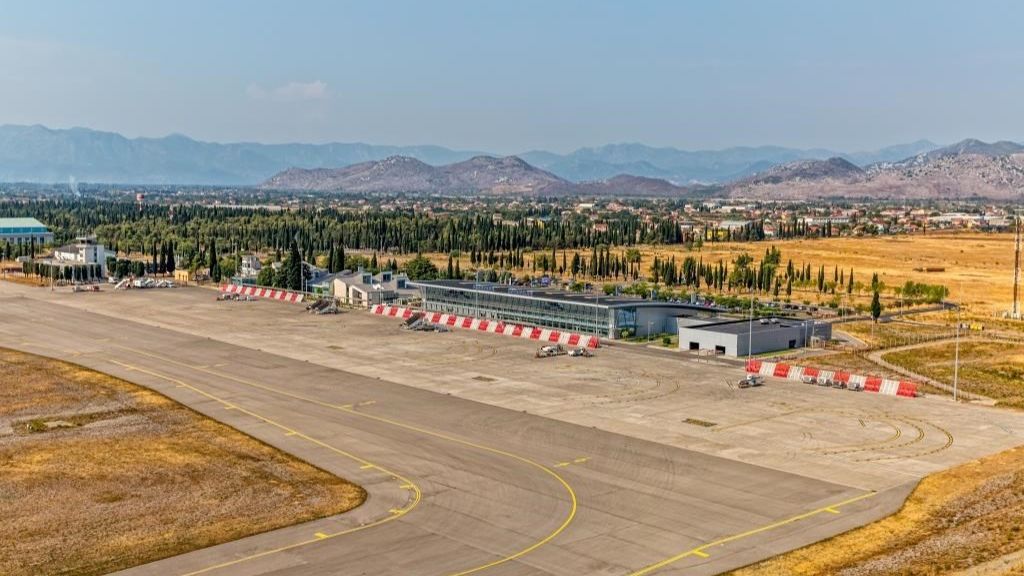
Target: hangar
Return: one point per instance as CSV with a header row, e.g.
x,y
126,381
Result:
x,y
742,337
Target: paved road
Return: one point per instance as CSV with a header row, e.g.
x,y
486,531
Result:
x,y
455,486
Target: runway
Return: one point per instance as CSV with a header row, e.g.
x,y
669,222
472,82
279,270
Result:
x,y
455,486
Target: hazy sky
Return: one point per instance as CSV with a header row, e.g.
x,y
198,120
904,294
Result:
x,y
511,76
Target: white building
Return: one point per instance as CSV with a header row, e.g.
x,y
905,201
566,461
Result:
x,y
361,288
85,250
250,267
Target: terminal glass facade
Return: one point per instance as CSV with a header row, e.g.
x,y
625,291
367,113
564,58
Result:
x,y
480,302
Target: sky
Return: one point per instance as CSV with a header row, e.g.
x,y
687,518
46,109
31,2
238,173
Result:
x,y
507,77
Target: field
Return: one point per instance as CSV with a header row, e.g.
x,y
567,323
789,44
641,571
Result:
x,y
100,475
979,264
993,369
965,518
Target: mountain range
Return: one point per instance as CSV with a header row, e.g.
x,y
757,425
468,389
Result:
x,y
970,168
40,154
917,170
508,175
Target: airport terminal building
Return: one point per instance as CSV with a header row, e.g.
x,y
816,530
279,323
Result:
x,y
606,316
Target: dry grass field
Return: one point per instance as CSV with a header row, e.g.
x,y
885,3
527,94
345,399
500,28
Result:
x,y
963,521
99,475
993,369
981,263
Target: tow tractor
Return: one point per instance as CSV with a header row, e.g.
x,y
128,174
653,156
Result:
x,y
751,381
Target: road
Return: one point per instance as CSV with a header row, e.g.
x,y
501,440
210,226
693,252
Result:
x,y
455,486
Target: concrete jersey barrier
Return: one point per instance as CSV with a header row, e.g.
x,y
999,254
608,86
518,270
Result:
x,y
271,293
548,335
877,384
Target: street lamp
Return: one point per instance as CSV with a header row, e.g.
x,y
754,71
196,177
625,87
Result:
x,y
750,329
956,353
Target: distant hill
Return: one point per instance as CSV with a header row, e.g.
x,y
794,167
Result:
x,y
629,185
480,174
968,169
808,170
974,147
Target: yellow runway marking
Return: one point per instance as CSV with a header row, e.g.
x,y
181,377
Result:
x,y
417,493
701,551
508,558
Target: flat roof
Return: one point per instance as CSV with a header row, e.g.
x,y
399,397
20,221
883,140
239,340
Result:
x,y
21,223
743,326
553,294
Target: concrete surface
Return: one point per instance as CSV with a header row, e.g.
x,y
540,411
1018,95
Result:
x,y
479,458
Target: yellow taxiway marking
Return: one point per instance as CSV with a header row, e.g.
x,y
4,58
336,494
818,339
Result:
x,y
579,460
365,466
289,433
321,535
831,510
573,502
701,551
417,493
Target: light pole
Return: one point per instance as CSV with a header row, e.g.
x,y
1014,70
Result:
x,y
750,329
956,353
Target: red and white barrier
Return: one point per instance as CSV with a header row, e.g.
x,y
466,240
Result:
x,y
272,293
877,384
493,326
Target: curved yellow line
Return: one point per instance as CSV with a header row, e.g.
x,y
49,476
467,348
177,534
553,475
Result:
x,y
569,490
417,493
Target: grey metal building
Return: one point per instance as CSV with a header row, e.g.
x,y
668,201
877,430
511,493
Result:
x,y
736,337
606,316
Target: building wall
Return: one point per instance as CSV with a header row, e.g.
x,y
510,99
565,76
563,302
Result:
x,y
26,238
663,319
708,340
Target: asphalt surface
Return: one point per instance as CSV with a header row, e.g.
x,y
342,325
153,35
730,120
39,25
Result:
x,y
455,486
